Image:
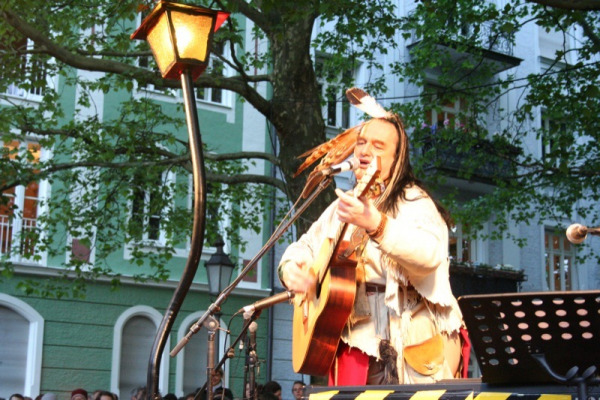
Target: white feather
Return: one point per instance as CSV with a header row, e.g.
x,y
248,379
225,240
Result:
x,y
364,102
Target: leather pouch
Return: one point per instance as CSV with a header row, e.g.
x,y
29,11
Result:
x,y
426,357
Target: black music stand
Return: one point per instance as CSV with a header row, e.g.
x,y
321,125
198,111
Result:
x,y
536,338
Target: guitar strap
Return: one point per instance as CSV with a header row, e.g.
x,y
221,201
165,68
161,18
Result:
x,y
359,237
361,308
358,241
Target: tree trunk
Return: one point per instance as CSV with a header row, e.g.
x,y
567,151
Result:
x,y
296,109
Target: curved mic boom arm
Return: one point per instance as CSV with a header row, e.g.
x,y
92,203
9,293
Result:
x,y
272,240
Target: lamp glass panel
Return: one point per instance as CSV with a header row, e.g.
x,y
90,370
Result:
x,y
214,277
159,39
226,271
193,33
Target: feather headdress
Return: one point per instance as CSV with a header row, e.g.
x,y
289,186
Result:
x,y
364,102
339,148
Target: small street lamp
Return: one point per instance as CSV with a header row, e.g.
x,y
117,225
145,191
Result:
x,y
219,268
180,37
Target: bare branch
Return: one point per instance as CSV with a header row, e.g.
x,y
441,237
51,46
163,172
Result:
x,y
242,155
582,5
246,178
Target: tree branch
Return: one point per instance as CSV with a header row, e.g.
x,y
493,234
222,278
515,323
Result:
x,y
246,178
589,32
582,5
242,155
252,13
73,59
68,57
221,178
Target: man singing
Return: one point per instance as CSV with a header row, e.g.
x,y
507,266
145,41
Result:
x,y
405,323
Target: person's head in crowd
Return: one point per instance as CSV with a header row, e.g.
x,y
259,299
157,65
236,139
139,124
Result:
x,y
49,396
16,396
105,395
272,387
79,394
169,396
217,377
298,390
138,393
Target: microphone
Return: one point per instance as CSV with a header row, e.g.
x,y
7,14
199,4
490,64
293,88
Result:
x,y
266,302
349,165
252,328
577,233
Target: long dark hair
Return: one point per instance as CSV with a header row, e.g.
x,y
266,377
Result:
x,y
402,176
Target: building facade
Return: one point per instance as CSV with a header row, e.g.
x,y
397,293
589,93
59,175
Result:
x,y
102,340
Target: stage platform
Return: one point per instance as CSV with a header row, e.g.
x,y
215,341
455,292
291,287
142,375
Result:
x,y
457,389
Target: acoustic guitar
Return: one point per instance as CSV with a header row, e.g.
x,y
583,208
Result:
x,y
321,314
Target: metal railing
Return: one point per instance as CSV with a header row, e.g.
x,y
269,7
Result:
x,y
17,236
488,39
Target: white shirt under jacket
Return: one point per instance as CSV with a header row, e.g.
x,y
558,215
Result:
x,y
412,251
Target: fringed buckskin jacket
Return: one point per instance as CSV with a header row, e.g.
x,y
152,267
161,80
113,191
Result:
x,y
411,266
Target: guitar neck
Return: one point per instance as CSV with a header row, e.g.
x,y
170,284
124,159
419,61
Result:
x,y
333,249
361,189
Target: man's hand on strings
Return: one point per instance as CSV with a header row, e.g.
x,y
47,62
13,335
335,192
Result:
x,y
360,212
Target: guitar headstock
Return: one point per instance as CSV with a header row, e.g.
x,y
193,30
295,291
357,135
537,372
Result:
x,y
369,177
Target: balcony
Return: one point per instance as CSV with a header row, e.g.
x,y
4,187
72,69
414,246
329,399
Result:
x,y
454,153
469,278
17,231
490,48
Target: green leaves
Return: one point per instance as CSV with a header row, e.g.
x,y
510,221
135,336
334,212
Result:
x,y
100,117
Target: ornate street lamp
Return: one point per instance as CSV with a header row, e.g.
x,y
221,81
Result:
x,y
180,37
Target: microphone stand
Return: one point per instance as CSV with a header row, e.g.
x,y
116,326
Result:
x,y
252,361
250,369
216,306
229,354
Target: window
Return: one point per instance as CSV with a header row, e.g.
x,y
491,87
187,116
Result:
x,y
336,111
148,206
447,112
133,339
19,206
22,333
560,257
192,361
13,350
462,248
551,149
216,67
32,69
194,370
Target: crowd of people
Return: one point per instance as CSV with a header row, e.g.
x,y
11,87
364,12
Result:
x,y
77,394
269,391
